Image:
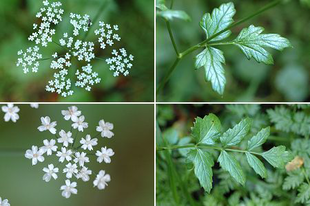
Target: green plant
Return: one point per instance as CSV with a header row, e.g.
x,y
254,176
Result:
x,y
217,28
235,155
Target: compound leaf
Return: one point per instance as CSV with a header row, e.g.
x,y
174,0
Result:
x,y
259,139
231,165
203,163
251,42
206,130
235,135
293,180
256,164
304,193
212,59
277,156
218,21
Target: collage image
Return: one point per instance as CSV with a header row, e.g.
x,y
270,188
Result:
x,y
154,103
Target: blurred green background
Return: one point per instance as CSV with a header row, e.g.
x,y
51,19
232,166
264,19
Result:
x,y
131,170
286,80
136,21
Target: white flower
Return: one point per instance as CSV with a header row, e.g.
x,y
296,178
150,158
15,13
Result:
x,y
68,188
72,113
120,63
70,170
4,202
35,154
81,158
49,146
10,112
65,138
101,180
34,105
64,155
29,60
104,155
84,174
105,129
80,124
88,143
47,125
50,172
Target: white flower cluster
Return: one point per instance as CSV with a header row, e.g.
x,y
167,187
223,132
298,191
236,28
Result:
x,y
84,51
11,112
29,59
86,78
80,23
121,62
106,34
52,14
4,202
71,152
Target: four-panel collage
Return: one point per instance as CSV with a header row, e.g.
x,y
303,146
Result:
x,y
154,103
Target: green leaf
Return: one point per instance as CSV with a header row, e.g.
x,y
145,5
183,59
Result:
x,y
304,193
277,156
234,136
220,19
251,42
293,180
160,4
172,14
259,139
212,59
203,163
231,165
206,130
256,164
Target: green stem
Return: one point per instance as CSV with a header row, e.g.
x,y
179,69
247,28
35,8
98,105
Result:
x,y
166,78
202,146
204,43
172,38
96,17
305,174
171,5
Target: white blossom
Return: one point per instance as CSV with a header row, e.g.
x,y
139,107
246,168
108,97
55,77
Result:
x,y
102,180
81,158
65,138
47,125
35,155
104,155
4,202
50,14
34,105
86,78
121,62
88,142
49,146
70,170
68,189
64,154
72,113
107,34
84,174
74,158
50,172
105,129
80,124
29,59
11,112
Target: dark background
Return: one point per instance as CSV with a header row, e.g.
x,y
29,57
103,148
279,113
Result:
x,y
136,22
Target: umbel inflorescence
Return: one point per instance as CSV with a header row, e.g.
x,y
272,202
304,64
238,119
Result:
x,y
74,150
75,47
